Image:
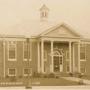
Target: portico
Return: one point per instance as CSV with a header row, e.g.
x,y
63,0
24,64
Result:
x,y
52,55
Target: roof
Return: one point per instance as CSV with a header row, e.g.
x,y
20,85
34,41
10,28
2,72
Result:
x,y
30,28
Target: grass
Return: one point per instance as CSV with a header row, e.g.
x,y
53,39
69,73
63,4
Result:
x,y
48,82
86,77
54,82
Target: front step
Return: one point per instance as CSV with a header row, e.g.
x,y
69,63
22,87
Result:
x,y
61,74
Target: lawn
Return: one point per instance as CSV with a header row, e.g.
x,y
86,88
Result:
x,y
53,82
42,82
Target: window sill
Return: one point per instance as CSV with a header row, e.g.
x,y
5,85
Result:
x,y
26,60
82,59
11,75
12,60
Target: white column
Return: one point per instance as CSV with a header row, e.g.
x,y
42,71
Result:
x,y
42,56
52,56
79,57
73,59
4,57
38,45
70,56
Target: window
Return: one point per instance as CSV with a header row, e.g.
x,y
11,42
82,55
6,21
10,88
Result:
x,y
82,52
12,50
11,72
27,71
26,52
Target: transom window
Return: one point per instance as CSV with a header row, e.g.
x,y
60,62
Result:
x,y
58,52
11,72
12,50
27,71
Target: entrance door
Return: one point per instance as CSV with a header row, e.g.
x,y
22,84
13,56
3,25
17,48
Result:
x,y
56,63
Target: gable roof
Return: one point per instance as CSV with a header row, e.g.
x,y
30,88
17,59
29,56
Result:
x,y
61,34
34,28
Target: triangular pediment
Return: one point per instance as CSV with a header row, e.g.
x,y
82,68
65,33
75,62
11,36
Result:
x,y
60,31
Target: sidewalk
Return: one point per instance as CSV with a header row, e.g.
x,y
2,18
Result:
x,y
77,80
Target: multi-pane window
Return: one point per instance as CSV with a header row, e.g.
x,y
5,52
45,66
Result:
x,y
27,71
11,72
82,52
12,50
26,51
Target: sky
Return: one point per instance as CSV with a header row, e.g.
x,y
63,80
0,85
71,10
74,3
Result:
x,y
75,13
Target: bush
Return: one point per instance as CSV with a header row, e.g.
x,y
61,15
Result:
x,y
80,75
71,74
7,76
80,82
45,76
57,77
51,75
13,79
37,75
20,76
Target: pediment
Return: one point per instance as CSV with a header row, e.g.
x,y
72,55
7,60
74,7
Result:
x,y
60,31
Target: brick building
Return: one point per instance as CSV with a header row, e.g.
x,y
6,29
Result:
x,y
53,48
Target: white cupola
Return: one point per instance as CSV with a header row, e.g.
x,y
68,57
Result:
x,y
44,10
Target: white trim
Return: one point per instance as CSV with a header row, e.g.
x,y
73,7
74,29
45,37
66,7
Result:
x,y
70,56
52,56
4,57
15,44
38,45
73,58
27,74
42,56
15,72
25,59
60,25
79,56
82,59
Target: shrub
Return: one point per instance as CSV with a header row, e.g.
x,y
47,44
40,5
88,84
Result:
x,y
57,77
51,75
20,76
7,76
80,75
45,76
37,75
80,82
71,74
12,78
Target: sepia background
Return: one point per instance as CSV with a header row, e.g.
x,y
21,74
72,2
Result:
x,y
76,13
